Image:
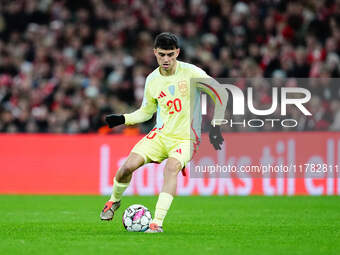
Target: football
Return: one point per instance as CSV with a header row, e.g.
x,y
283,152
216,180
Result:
x,y
136,218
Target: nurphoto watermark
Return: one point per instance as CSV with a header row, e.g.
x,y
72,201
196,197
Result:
x,y
279,99
253,105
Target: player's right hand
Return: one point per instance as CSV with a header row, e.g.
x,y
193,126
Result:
x,y
114,120
215,137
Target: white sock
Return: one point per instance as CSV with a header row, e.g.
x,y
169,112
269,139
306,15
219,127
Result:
x,y
118,190
162,207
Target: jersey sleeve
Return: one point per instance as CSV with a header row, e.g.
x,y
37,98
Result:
x,y
147,109
217,93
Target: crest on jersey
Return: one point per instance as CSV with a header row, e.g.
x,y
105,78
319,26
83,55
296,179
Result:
x,y
183,88
171,89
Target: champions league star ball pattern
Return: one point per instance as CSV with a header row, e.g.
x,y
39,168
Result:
x,y
137,218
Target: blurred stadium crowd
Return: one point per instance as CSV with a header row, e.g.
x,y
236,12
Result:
x,y
65,64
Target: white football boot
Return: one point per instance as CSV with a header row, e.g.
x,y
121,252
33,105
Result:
x,y
154,228
109,210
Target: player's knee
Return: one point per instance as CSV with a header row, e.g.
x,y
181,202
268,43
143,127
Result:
x,y
173,167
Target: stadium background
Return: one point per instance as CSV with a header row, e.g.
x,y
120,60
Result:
x,y
65,64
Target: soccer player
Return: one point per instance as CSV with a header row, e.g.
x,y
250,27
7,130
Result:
x,y
177,131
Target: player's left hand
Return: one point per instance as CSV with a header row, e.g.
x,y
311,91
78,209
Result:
x,y
215,137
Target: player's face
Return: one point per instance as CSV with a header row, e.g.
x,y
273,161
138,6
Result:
x,y
166,58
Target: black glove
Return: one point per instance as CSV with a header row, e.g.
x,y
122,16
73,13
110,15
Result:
x,y
114,120
215,137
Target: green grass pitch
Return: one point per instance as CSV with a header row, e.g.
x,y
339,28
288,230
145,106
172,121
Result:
x,y
194,225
